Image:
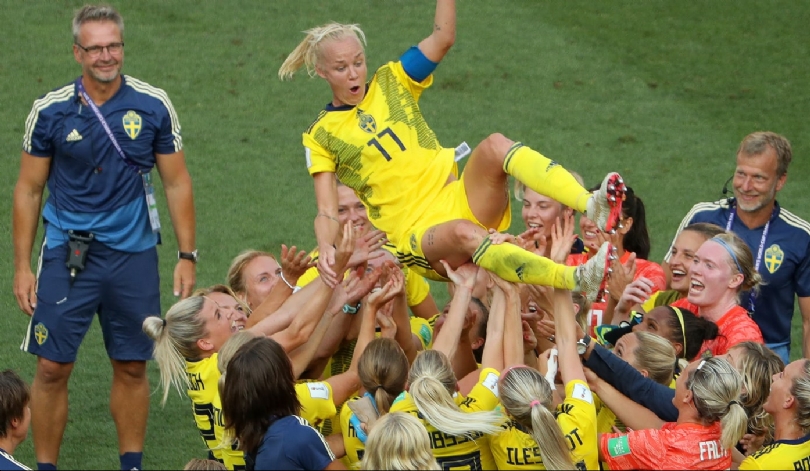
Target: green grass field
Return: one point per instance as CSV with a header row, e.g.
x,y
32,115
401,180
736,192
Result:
x,y
660,91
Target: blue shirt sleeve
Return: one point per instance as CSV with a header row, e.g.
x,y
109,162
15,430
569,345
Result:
x,y
311,450
619,374
801,280
416,64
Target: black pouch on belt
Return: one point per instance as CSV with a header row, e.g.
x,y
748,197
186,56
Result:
x,y
78,245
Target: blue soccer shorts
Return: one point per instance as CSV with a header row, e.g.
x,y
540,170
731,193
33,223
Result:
x,y
123,288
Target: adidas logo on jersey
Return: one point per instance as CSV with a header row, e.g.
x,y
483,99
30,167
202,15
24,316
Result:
x,y
74,136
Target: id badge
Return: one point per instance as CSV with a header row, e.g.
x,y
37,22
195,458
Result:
x,y
151,203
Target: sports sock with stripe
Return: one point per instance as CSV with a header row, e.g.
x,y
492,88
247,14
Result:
x,y
517,265
545,176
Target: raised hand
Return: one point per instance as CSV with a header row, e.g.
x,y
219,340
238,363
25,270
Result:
x,y
368,248
622,275
637,292
463,276
294,265
326,259
562,239
366,280
344,250
497,238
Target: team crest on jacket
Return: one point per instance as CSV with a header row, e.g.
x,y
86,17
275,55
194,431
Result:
x,y
774,257
366,122
40,333
132,124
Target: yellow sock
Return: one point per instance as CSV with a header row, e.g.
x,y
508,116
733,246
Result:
x,y
545,176
514,264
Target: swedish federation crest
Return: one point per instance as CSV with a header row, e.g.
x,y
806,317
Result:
x,y
40,333
773,258
132,124
366,122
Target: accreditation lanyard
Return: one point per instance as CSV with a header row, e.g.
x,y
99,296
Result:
x,y
146,177
752,296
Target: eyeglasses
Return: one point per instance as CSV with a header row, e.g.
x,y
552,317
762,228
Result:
x,y
95,51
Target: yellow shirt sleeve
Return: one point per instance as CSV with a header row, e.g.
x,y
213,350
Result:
x,y
649,304
750,463
316,401
354,447
317,158
484,395
577,419
421,328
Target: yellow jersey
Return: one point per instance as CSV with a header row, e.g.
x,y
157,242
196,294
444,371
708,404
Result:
x,y
515,448
203,375
354,447
203,378
454,451
781,454
384,150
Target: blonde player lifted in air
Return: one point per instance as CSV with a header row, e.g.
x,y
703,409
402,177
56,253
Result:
x,y
374,138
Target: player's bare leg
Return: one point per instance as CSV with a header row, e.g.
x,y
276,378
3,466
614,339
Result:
x,y
129,404
459,241
49,408
485,181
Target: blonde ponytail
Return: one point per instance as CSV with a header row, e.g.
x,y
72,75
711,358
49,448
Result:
x,y
175,340
307,53
716,387
527,396
733,425
431,382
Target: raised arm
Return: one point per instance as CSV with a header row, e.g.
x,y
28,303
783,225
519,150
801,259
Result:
x,y
631,413
492,357
628,381
464,280
565,327
512,323
435,46
306,317
327,224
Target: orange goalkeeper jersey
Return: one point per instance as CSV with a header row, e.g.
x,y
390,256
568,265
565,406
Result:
x,y
674,446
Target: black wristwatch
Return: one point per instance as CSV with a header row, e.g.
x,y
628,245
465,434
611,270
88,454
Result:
x,y
187,256
582,344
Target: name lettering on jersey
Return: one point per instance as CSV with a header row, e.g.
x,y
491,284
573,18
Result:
x,y
574,440
195,382
366,122
566,408
318,391
132,124
773,258
523,456
711,450
467,402
439,439
803,464
352,430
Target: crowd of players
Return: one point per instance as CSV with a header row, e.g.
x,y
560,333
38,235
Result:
x,y
556,351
